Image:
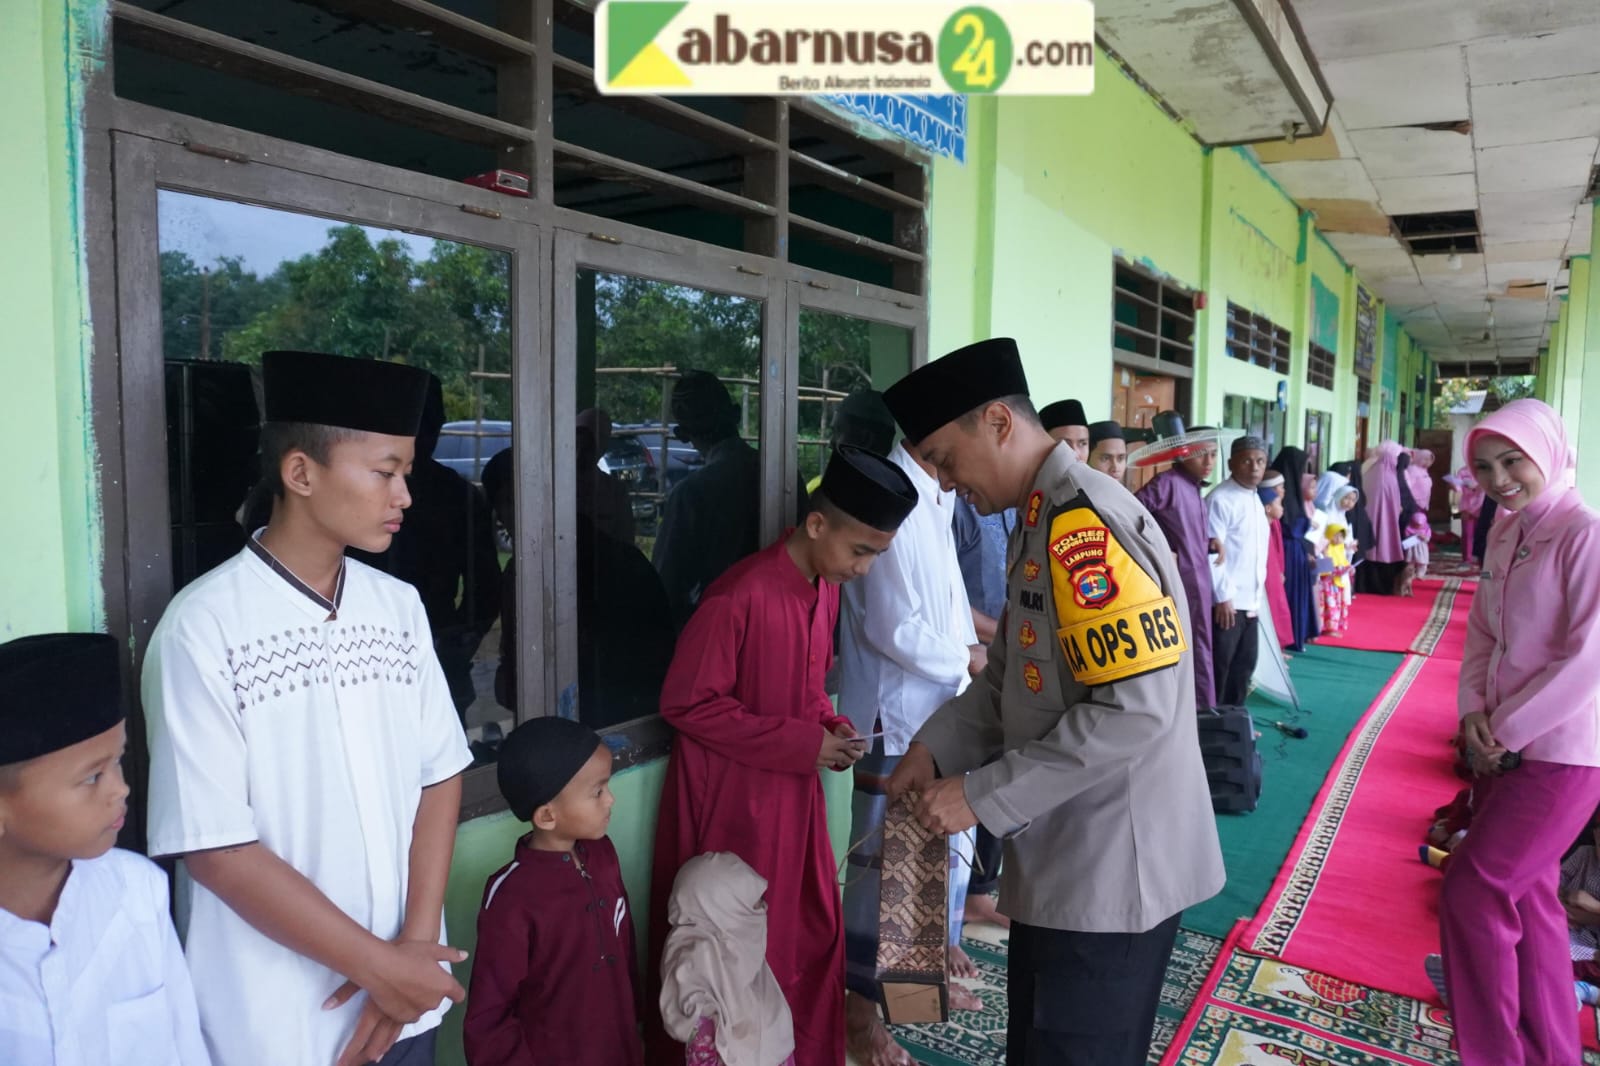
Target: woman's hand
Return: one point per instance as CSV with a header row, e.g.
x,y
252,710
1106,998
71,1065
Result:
x,y
1479,739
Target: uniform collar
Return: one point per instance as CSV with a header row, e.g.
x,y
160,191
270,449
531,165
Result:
x,y
1055,465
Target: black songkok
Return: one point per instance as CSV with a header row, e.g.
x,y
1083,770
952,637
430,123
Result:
x,y
368,395
1099,431
1063,413
934,395
57,690
868,488
538,759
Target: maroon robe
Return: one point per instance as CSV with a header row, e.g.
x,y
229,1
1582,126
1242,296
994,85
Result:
x,y
1277,591
1173,499
745,693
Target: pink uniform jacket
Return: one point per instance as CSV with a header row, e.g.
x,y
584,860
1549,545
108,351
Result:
x,y
1532,657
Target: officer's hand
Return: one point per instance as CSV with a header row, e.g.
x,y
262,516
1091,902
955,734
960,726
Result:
x,y
1225,615
915,772
838,752
977,659
943,807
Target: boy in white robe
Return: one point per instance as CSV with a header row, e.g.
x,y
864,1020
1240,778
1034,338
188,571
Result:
x,y
305,752
90,967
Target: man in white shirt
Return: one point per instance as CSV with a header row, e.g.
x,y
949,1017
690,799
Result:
x,y
305,754
1238,523
907,644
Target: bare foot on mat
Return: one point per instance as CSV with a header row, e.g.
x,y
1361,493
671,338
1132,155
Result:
x,y
867,1039
960,963
984,909
964,998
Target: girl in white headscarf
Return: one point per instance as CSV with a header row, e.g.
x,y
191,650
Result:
x,y
718,996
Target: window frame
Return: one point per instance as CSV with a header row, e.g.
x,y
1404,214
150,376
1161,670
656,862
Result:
x,y
1158,363
132,149
1260,342
1321,366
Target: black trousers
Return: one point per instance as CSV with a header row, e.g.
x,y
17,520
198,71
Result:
x,y
1084,999
986,857
1233,659
417,1051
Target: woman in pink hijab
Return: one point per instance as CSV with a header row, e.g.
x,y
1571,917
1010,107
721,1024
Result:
x,y
1418,478
1530,718
1470,504
1380,481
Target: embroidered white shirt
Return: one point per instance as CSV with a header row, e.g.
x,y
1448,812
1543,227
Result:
x,y
270,722
1238,520
105,981
906,624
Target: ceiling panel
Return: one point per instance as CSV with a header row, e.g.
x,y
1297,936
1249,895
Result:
x,y
1326,180
1338,29
1575,51
1514,251
1400,88
1582,230
1538,207
1546,165
1409,152
1537,270
1529,112
1444,192
1430,266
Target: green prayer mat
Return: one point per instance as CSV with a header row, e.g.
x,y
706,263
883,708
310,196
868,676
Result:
x,y
978,1038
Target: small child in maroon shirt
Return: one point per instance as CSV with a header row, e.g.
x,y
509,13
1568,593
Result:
x,y
552,977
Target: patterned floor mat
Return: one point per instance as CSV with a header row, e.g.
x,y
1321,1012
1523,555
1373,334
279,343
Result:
x,y
978,1038
1257,1011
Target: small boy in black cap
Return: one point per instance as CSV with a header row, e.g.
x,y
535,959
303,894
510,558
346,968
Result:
x,y
89,962
305,754
553,976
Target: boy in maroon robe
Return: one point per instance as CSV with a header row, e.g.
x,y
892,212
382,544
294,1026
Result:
x,y
553,976
754,727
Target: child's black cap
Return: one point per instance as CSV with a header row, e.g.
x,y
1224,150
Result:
x,y
538,759
57,690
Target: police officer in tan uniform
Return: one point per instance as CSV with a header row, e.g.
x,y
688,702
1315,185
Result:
x,y
1088,702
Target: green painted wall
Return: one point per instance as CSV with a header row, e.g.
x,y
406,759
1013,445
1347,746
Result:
x,y
50,535
1023,235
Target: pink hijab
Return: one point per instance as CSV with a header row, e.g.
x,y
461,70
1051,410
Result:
x,y
1419,479
1380,481
1535,428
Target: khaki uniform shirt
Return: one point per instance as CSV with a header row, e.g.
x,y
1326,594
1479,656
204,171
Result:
x,y
1088,702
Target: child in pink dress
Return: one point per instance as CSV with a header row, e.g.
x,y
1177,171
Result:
x,y
718,996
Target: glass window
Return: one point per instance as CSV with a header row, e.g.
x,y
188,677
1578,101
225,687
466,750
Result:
x,y
841,355
238,280
669,478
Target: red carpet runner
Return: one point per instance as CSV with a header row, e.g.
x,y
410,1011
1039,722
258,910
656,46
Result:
x,y
1405,623
1353,901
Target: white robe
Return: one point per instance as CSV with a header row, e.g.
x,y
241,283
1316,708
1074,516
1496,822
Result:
x,y
105,981
268,722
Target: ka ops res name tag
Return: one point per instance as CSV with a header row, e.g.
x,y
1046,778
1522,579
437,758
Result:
x,y
1114,621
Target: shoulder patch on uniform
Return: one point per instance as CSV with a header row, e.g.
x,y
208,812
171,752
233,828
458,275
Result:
x,y
1114,621
1032,677
1035,507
